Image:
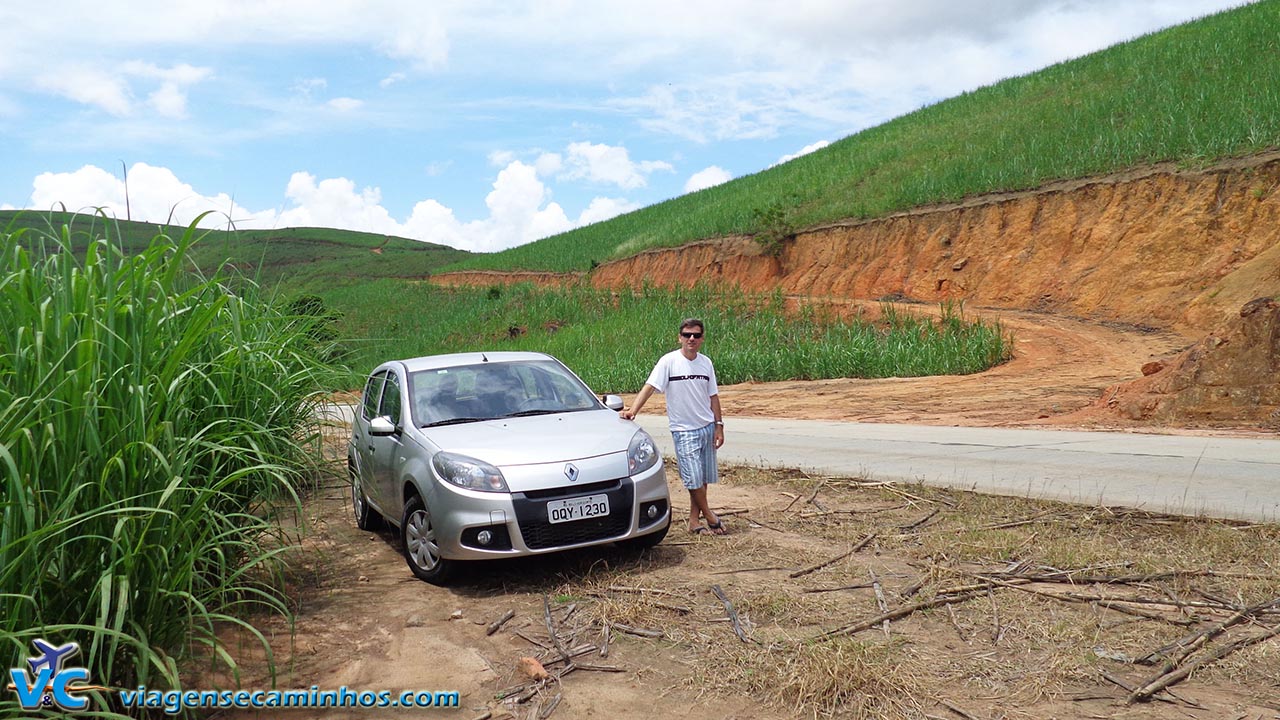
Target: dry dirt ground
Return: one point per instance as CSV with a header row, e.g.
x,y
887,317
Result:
x,y
1022,639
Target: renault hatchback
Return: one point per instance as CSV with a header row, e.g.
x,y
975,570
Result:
x,y
476,456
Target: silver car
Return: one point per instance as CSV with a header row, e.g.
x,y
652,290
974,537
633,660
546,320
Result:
x,y
476,456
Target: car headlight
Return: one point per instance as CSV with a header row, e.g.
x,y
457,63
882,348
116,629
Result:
x,y
467,472
642,453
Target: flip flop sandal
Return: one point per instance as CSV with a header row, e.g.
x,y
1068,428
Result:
x,y
717,528
699,531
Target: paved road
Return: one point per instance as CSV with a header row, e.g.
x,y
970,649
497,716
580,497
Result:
x,y
1235,478
1212,476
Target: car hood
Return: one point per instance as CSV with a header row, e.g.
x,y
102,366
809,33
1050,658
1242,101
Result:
x,y
538,439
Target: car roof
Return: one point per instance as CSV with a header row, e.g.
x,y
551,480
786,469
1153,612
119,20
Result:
x,y
435,362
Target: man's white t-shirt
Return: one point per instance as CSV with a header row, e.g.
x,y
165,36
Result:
x,y
688,385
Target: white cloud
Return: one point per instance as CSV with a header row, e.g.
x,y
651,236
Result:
x,y
803,151
517,210
765,68
89,86
501,158
520,211
519,205
602,209
334,202
609,164
180,74
169,100
111,89
308,87
747,69
709,177
438,168
345,104
420,39
548,164
154,194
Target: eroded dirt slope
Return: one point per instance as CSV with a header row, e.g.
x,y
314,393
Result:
x,y
1098,277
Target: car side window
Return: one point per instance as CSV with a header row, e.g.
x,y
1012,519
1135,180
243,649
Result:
x,y
372,392
390,406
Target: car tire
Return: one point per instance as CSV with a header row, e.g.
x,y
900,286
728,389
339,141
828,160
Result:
x,y
419,544
366,517
645,542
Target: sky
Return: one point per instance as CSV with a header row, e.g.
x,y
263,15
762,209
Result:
x,y
476,124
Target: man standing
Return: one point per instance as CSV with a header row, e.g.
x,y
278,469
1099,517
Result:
x,y
688,379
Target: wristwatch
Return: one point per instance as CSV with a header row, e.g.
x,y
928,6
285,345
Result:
x,y
720,423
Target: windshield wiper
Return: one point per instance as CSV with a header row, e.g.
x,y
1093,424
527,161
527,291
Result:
x,y
529,413
456,421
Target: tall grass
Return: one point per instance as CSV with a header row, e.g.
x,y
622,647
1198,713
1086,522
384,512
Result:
x,y
612,339
149,421
1201,91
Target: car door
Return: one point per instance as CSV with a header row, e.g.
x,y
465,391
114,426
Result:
x,y
388,448
361,439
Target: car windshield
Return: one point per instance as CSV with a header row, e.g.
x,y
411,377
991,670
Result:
x,y
485,391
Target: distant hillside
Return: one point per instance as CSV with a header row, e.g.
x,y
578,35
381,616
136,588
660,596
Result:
x,y
303,258
1193,94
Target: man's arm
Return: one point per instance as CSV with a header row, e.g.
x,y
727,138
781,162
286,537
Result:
x,y
715,410
641,399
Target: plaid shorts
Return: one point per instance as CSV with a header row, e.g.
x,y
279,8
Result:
x,y
696,456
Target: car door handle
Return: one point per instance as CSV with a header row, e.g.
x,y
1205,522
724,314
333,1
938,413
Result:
x,y
371,448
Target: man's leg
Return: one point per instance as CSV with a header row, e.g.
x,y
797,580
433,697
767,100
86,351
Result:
x,y
709,474
695,456
698,505
686,444
694,510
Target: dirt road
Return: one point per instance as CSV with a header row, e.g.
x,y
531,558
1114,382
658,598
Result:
x,y
1061,366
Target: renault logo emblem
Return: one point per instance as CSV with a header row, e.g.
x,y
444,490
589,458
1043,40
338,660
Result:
x,y
571,472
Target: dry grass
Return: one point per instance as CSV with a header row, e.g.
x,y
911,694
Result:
x,y
1007,650
1034,650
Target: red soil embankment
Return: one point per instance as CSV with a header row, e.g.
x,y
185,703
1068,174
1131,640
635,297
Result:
x,y
1157,250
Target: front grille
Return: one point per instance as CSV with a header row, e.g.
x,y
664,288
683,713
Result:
x,y
541,534
567,491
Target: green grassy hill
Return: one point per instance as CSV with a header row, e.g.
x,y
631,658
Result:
x,y
301,258
1195,93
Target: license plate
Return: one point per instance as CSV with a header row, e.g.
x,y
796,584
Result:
x,y
559,511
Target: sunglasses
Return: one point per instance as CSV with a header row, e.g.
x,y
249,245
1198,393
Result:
x,y
691,335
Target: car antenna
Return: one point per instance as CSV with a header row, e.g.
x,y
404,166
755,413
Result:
x,y
482,357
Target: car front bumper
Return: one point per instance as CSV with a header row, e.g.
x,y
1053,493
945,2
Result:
x,y
518,522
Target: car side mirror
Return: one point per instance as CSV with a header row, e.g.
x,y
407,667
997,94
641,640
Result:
x,y
382,426
613,402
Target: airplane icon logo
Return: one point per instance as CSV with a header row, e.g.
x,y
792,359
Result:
x,y
51,684
52,657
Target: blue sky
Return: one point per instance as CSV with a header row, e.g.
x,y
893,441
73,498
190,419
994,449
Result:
x,y
481,125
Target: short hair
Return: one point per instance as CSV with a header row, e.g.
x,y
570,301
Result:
x,y
691,322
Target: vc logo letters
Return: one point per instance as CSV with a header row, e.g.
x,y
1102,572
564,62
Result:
x,y
50,684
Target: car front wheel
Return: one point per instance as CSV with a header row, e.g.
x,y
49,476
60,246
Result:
x,y
421,546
